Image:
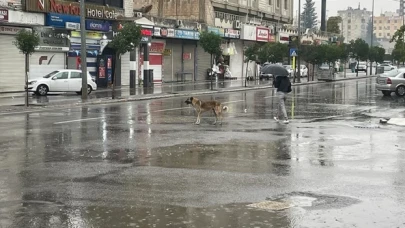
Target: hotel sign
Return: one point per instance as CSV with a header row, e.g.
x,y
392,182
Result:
x,y
73,8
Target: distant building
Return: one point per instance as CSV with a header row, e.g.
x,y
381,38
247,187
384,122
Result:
x,y
386,25
354,23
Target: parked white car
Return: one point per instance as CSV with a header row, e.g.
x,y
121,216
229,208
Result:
x,y
387,67
61,81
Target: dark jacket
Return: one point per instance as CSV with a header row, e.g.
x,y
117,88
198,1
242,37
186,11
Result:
x,y
282,83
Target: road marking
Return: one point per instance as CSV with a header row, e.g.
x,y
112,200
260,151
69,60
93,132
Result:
x,y
79,120
170,109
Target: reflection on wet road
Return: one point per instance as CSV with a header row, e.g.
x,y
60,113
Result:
x,y
145,164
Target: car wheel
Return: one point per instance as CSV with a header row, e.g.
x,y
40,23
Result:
x,y
42,90
400,91
89,89
386,93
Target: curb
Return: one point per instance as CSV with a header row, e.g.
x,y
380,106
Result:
x,y
162,96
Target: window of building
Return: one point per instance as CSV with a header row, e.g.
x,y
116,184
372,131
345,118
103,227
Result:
x,y
349,21
349,27
285,4
270,2
395,27
379,34
349,14
388,21
388,34
374,28
380,28
395,21
380,21
112,3
363,21
278,3
388,27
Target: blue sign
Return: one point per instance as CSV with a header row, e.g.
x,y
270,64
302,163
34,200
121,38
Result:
x,y
97,25
59,20
293,52
186,34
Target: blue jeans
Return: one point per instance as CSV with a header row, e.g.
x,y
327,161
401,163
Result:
x,y
282,97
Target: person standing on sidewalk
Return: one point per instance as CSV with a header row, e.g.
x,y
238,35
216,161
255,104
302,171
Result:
x,y
283,85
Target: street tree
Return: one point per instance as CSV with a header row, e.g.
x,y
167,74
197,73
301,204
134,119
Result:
x,y
376,54
398,53
309,16
333,25
359,50
126,40
308,54
370,33
272,52
211,43
26,41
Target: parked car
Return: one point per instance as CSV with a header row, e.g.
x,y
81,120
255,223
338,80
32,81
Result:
x,y
387,67
61,81
392,81
304,71
361,66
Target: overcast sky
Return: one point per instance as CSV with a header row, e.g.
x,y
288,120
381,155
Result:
x,y
332,6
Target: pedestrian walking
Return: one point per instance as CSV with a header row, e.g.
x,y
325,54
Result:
x,y
283,85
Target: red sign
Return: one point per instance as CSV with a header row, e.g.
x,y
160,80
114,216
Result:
x,y
101,72
186,56
146,32
262,34
3,15
64,8
157,47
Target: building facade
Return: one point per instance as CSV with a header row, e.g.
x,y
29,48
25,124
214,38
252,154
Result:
x,y
386,25
354,23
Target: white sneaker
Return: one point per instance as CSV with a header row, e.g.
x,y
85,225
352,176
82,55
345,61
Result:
x,y
276,119
286,121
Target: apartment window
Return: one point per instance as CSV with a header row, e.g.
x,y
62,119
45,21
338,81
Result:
x,y
388,27
374,28
388,21
270,2
285,4
278,3
363,21
388,34
349,21
349,27
395,21
380,28
379,34
380,21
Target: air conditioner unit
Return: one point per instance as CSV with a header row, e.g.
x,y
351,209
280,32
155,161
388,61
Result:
x,y
179,23
138,14
236,24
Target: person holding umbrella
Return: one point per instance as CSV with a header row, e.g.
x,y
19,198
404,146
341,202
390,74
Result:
x,y
282,82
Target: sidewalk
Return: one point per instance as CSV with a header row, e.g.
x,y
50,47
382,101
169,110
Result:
x,y
16,101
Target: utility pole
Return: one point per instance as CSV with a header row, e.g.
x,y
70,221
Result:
x,y
83,52
299,42
372,37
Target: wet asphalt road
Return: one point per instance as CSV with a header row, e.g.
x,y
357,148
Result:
x,y
145,164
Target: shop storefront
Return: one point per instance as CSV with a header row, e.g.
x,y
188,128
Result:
x,y
179,54
12,62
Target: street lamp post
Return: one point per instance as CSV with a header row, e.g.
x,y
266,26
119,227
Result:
x,y
299,43
372,36
83,52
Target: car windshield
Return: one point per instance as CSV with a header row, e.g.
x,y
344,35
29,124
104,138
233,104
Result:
x,y
51,74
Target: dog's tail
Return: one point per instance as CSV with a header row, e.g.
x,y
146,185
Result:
x,y
225,108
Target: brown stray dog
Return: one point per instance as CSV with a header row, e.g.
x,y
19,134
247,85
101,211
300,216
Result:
x,y
205,106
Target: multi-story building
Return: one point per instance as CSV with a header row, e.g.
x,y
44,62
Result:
x,y
354,23
239,22
386,25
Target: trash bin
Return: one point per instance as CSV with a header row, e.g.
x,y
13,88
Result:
x,y
380,70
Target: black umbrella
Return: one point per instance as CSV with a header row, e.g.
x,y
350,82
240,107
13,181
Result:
x,y
275,70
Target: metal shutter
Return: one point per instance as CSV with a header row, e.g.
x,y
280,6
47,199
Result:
x,y
168,62
177,58
203,63
188,65
12,65
125,69
43,63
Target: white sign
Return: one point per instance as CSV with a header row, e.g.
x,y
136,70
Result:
x,y
26,18
156,31
51,48
294,54
9,30
248,32
262,34
72,26
170,32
